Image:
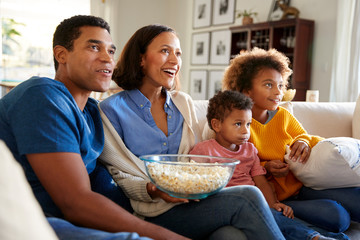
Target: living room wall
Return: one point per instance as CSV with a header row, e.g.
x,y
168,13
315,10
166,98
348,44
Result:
x,y
125,17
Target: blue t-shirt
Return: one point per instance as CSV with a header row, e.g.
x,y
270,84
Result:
x,y
130,114
41,116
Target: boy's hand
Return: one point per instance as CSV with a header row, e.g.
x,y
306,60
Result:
x,y
300,151
277,168
286,210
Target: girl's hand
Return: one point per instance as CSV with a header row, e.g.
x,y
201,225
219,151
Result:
x,y
277,168
300,151
285,209
154,192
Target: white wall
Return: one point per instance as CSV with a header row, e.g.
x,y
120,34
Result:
x,y
125,17
324,40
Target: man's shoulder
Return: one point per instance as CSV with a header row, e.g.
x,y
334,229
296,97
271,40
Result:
x,y
38,94
40,82
36,87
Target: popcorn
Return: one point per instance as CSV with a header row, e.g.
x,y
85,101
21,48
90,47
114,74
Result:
x,y
188,178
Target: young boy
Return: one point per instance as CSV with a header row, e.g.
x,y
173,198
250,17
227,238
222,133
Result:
x,y
229,116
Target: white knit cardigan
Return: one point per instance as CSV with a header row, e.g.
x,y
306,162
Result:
x,y
129,172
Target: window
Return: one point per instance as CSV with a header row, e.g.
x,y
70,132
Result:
x,y
27,30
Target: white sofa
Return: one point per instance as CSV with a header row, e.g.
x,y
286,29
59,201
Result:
x,y
326,119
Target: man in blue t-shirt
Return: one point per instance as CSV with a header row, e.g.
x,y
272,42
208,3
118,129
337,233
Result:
x,y
54,131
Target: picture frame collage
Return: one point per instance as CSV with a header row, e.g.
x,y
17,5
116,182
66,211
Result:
x,y
205,84
211,47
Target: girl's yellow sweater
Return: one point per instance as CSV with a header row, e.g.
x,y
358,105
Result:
x,y
271,139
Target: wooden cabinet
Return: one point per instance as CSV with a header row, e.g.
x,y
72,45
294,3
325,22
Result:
x,y
293,37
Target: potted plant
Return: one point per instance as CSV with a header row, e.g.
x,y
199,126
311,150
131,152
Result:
x,y
247,16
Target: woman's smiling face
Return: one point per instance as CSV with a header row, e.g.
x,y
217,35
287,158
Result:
x,y
162,60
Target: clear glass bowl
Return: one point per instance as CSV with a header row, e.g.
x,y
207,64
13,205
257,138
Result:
x,y
189,176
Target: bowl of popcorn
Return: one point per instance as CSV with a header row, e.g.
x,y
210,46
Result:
x,y
189,176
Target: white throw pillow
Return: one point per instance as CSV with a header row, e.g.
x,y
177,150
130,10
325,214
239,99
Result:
x,y
333,163
21,215
356,120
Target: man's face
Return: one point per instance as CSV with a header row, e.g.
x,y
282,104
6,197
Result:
x,y
90,64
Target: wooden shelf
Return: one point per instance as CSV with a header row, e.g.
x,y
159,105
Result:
x,y
293,37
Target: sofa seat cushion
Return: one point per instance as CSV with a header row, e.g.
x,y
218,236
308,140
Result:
x,y
333,163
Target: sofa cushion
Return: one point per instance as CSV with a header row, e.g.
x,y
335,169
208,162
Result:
x,y
325,119
356,120
333,163
21,215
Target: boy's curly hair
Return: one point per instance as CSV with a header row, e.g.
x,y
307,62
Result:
x,y
244,67
221,105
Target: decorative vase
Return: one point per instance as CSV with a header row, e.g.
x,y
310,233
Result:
x,y
247,20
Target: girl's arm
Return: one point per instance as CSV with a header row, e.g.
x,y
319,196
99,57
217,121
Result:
x,y
270,196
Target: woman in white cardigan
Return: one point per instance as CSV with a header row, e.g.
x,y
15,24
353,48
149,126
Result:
x,y
151,117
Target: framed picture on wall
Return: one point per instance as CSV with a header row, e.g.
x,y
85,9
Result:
x,y
215,78
198,88
202,13
220,47
223,11
200,48
276,13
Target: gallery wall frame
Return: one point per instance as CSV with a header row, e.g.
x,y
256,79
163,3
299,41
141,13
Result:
x,y
276,13
198,84
214,83
220,47
223,12
202,13
200,48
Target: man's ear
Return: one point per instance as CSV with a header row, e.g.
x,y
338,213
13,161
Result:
x,y
60,54
216,124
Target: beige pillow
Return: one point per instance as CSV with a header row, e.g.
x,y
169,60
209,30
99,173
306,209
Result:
x,y
356,120
333,163
21,215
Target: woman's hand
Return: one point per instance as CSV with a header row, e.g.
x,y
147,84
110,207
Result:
x,y
154,192
285,209
300,151
277,168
